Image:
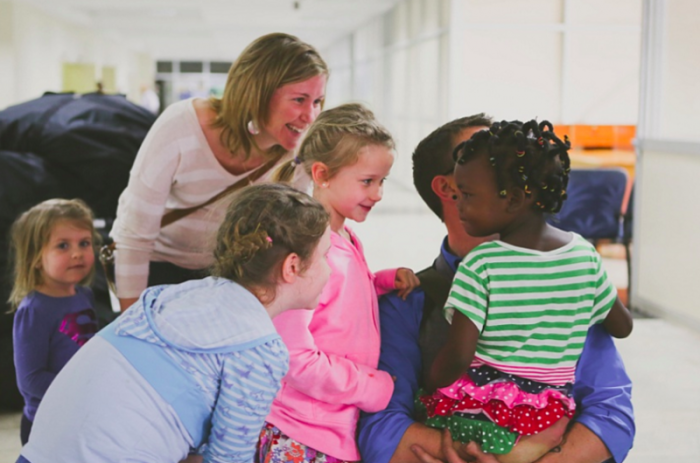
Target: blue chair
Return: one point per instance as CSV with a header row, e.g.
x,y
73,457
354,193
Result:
x,y
593,207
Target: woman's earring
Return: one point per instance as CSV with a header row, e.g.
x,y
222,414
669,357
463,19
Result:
x,y
252,128
324,185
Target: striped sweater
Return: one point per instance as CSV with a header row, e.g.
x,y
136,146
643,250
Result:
x,y
532,308
174,169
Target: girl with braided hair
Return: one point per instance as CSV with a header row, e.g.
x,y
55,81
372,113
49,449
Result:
x,y
193,367
520,307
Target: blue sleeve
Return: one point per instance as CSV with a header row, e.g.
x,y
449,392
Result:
x,y
250,380
603,392
31,337
380,433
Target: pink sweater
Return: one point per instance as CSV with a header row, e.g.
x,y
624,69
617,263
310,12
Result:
x,y
334,353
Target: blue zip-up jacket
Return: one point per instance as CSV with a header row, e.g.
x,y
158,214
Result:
x,y
187,365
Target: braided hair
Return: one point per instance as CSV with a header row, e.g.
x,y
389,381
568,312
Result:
x,y
526,155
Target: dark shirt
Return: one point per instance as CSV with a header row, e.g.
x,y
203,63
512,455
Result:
x,y
602,388
47,332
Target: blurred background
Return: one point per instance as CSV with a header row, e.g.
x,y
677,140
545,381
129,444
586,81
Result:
x,y
621,78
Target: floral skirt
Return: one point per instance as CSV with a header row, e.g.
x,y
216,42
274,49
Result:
x,y
276,447
495,409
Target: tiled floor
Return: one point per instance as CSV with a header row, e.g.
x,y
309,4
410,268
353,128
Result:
x,y
663,359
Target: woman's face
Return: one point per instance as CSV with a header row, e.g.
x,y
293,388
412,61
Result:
x,y
293,108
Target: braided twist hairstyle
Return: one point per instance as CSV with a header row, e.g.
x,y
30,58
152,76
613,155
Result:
x,y
335,139
263,225
528,156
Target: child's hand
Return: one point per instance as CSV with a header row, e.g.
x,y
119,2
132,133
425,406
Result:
x,y
405,282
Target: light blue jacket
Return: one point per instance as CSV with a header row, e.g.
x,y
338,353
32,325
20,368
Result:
x,y
206,348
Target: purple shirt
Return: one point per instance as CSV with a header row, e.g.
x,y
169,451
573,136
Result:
x,y
602,388
47,332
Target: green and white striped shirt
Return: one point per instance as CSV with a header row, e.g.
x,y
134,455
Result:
x,y
532,308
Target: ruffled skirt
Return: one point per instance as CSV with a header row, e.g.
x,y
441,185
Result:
x,y
495,408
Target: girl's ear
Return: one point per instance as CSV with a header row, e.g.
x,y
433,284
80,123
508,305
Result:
x,y
319,173
443,186
291,267
517,200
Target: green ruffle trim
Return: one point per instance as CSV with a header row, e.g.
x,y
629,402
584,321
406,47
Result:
x,y
491,437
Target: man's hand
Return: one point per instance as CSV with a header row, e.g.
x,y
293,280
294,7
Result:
x,y
472,452
405,282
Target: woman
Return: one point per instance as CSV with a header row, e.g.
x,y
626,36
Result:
x,y
197,149
195,363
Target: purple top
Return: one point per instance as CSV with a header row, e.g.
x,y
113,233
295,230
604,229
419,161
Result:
x,y
47,332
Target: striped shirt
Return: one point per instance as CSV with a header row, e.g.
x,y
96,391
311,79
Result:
x,y
174,169
532,308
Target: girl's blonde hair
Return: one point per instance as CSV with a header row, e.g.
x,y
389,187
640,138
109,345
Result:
x,y
31,233
267,64
263,225
335,139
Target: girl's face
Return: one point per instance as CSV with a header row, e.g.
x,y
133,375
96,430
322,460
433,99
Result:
x,y
481,210
293,108
315,277
355,189
66,259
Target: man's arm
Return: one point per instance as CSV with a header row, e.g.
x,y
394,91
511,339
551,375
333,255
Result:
x,y
604,427
580,446
389,433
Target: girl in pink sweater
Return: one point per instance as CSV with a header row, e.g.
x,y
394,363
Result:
x,y
334,350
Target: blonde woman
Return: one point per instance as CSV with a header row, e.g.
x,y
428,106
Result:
x,y
199,148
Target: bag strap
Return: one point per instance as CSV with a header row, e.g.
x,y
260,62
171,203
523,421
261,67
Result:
x,y
177,214
106,253
435,281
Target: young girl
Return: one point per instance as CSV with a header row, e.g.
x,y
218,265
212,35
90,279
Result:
x,y
198,362
521,306
334,351
53,246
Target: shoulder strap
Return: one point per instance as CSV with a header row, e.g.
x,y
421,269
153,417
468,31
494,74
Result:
x,y
435,283
177,214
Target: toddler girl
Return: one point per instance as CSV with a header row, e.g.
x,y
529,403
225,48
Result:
x,y
334,350
521,306
53,246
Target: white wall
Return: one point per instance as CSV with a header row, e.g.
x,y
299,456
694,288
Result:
x,y
35,44
667,214
397,66
426,62
560,60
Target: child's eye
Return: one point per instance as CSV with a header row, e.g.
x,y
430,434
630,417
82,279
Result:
x,y
62,245
86,243
367,181
382,181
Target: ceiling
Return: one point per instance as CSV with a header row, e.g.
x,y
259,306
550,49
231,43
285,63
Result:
x,y
214,29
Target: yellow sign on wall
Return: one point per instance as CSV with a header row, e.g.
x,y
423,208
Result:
x,y
79,78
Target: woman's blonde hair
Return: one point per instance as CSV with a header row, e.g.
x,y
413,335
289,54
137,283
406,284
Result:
x,y
268,63
263,225
31,233
335,139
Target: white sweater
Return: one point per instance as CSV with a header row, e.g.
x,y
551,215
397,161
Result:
x,y
174,169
